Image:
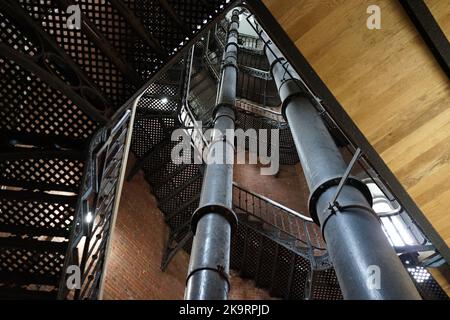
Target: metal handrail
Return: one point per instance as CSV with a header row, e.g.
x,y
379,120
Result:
x,y
301,222
97,199
276,204
271,114
244,38
190,120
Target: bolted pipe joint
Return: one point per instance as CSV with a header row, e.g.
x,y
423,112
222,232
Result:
x,y
355,241
214,220
322,187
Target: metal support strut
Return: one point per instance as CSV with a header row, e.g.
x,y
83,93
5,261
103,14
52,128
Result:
x,y
213,221
341,204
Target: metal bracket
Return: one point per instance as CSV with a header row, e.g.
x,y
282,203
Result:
x,y
333,204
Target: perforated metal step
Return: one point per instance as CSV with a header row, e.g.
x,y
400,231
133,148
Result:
x,y
62,173
36,213
26,262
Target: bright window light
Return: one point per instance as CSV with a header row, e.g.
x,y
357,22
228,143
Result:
x,y
164,100
403,230
89,217
394,226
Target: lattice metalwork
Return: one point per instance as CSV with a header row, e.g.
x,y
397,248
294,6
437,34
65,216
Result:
x,y
237,247
172,183
62,174
428,287
158,157
182,215
252,248
325,285
287,224
30,261
88,244
282,272
182,195
288,152
43,215
163,86
167,170
266,263
148,132
256,89
31,106
300,279
52,18
158,104
58,85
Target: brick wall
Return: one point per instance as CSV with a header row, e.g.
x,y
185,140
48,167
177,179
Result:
x,y
133,269
288,187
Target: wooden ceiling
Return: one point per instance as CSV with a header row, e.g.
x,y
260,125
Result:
x,y
390,85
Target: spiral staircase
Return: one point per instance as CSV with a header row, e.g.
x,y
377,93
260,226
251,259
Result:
x,y
66,110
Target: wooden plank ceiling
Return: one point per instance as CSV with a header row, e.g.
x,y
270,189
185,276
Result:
x,y
388,82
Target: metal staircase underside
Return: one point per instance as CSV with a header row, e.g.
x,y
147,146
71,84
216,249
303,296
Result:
x,y
65,108
64,96
283,254
269,246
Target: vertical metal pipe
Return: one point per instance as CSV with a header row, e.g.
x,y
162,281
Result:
x,y
213,221
358,248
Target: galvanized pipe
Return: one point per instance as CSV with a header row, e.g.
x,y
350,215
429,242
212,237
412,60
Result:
x,y
356,243
213,221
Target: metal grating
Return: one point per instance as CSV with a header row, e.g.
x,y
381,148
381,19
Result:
x,y
52,174
181,197
162,87
159,157
77,45
126,43
147,133
288,153
282,271
32,107
237,247
35,217
28,105
157,178
36,262
182,216
181,179
302,269
252,247
325,285
428,287
158,23
154,105
266,263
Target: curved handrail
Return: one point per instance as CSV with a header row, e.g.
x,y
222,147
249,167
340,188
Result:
x,y
289,222
276,204
248,106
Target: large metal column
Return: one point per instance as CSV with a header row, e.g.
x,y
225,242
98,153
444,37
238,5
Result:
x,y
366,266
213,221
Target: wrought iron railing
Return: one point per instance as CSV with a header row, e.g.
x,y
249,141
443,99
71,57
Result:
x,y
255,81
94,214
287,223
185,114
256,109
246,42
